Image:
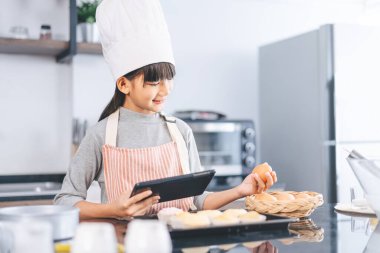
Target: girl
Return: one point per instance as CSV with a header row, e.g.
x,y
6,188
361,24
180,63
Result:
x,y
133,141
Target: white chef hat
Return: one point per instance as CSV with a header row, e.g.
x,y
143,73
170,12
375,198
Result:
x,y
133,34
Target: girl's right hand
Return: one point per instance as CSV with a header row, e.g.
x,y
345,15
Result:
x,y
137,205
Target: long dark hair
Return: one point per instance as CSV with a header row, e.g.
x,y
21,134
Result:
x,y
152,73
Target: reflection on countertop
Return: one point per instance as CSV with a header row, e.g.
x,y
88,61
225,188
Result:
x,y
35,190
324,231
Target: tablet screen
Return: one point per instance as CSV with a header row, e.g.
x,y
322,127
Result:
x,y
177,187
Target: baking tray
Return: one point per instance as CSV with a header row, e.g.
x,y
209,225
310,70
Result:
x,y
272,223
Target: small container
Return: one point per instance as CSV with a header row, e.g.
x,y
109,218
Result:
x,y
19,32
95,237
45,32
147,236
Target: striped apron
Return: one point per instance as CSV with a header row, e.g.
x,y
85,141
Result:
x,y
124,167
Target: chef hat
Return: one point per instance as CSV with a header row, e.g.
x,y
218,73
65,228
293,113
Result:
x,y
133,34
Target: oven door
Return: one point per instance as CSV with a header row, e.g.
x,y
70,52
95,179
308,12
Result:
x,y
219,146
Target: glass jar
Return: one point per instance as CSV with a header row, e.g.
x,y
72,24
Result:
x,y
45,32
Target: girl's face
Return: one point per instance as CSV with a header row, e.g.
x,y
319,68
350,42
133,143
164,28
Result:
x,y
147,97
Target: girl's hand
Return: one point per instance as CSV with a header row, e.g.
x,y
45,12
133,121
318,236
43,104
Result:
x,y
253,184
265,247
139,204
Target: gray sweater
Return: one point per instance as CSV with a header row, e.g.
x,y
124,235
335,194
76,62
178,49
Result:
x,y
135,130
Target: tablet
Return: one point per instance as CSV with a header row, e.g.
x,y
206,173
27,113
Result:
x,y
178,187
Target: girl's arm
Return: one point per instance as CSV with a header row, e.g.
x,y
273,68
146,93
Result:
x,y
252,184
83,169
121,208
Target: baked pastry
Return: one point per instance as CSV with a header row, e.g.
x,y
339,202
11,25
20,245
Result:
x,y
264,197
165,213
251,217
189,220
234,212
225,220
210,213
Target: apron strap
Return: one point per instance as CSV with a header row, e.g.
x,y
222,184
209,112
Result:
x,y
178,139
111,128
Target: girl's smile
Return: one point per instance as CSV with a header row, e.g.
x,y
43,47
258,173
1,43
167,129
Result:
x,y
158,102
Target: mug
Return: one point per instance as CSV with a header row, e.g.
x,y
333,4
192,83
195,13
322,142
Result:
x,y
95,237
145,236
28,236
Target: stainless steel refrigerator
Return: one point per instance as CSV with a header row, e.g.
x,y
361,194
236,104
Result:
x,y
320,96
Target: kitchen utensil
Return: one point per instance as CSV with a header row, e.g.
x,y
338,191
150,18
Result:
x,y
95,237
64,219
141,234
367,171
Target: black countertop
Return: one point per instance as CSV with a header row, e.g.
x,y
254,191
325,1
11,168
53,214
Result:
x,y
328,232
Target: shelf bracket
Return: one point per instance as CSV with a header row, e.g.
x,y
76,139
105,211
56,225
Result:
x,y
69,52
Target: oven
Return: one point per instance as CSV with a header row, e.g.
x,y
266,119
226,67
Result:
x,y
226,146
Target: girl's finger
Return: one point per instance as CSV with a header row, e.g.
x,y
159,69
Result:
x,y
269,182
262,248
270,248
260,183
253,182
147,203
140,196
274,176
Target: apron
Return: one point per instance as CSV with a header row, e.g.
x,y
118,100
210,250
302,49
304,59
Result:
x,y
124,167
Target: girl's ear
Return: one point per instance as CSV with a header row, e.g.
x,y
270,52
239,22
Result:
x,y
124,85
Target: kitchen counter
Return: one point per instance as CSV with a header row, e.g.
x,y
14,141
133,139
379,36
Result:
x,y
331,232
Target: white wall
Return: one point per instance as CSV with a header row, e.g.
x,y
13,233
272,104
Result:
x,y
35,94
215,44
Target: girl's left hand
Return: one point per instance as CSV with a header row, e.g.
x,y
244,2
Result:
x,y
253,184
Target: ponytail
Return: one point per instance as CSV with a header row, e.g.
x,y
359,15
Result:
x,y
116,101
152,73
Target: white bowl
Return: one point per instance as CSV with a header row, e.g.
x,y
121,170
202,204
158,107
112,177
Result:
x,y
367,171
374,203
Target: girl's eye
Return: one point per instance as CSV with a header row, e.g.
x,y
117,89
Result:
x,y
153,83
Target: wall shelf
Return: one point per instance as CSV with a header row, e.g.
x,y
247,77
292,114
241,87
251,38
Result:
x,y
44,47
61,50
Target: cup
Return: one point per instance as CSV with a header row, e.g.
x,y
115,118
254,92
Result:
x,y
31,236
145,236
19,32
6,238
95,237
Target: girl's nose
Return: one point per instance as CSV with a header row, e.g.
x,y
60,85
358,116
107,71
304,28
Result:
x,y
165,87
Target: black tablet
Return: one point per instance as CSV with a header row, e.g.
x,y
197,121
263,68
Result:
x,y
177,187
